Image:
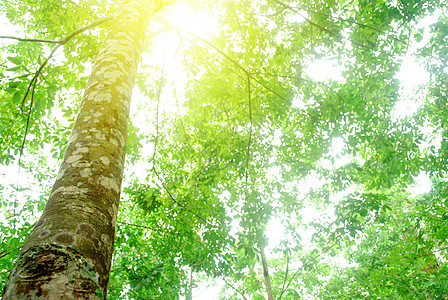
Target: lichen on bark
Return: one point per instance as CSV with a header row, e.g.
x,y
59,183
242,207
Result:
x,y
53,270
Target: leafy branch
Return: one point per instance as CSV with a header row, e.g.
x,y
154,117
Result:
x,y
234,288
156,140
31,40
286,276
137,225
6,252
249,96
344,20
66,38
250,129
330,32
234,62
306,264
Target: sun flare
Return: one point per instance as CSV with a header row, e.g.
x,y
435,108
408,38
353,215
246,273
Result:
x,y
185,18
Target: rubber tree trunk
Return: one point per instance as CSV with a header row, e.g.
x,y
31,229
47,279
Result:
x,y
68,253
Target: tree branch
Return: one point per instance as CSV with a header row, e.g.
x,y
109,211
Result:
x,y
5,253
250,129
234,62
65,39
311,260
350,21
136,225
60,43
159,89
35,77
323,28
87,27
236,289
286,276
29,39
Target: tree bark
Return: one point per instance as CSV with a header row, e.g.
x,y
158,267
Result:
x,y
68,253
267,278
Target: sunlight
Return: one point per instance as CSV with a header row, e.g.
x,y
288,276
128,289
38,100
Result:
x,y
422,185
295,17
165,61
275,233
433,139
337,146
166,57
336,157
208,290
411,74
405,108
7,27
321,70
298,102
197,23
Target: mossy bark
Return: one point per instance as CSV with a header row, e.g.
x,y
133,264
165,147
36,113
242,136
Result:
x,y
68,253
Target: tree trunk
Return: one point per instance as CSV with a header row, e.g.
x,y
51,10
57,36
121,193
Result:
x,y
267,278
189,293
68,253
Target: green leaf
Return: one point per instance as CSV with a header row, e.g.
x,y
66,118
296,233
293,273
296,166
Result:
x,y
14,69
17,97
17,60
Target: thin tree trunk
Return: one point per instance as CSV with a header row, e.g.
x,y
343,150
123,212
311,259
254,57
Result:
x,y
267,278
68,253
189,294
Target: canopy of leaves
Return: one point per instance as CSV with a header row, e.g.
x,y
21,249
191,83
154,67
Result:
x,y
250,149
